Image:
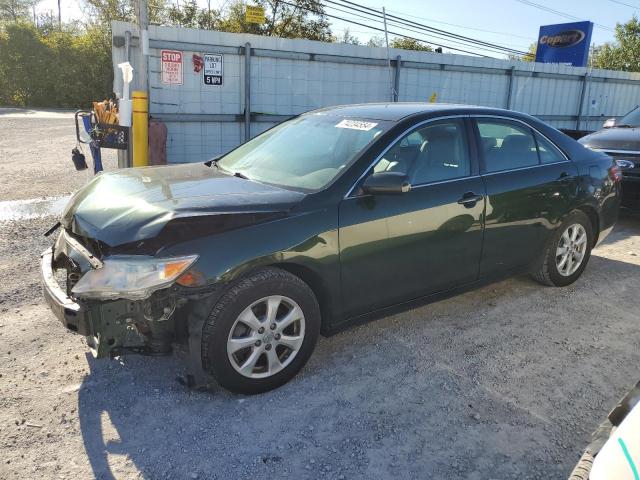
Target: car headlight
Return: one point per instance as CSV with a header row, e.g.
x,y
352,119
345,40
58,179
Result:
x,y
625,163
131,277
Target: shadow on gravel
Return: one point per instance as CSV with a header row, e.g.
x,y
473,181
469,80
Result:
x,y
486,385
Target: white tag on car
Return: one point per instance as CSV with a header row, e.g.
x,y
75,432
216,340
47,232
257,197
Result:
x,y
356,125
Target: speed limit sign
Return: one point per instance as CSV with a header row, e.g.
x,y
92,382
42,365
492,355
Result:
x,y
212,71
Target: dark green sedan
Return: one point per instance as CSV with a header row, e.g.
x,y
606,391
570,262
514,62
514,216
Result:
x,y
334,217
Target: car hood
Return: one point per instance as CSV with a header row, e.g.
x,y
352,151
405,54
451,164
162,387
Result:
x,y
177,201
613,139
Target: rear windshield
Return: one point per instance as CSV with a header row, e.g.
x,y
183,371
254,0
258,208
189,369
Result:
x,y
632,118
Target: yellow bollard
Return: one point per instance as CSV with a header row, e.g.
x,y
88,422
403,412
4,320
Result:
x,y
140,125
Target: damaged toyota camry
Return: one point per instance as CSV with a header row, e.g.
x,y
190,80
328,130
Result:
x,y
333,217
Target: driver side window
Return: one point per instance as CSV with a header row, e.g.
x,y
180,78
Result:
x,y
432,153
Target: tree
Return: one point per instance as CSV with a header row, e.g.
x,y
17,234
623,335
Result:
x,y
376,41
290,19
409,44
190,15
624,52
14,10
348,37
105,11
403,43
530,56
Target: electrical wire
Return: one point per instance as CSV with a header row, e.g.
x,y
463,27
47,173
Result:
x,y
312,10
559,13
403,23
421,31
431,30
531,39
625,4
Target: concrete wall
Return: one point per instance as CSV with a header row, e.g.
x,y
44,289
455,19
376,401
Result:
x,y
288,77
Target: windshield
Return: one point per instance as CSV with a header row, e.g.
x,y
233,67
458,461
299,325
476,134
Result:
x,y
305,153
632,118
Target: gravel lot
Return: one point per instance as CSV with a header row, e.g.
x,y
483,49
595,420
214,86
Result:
x,y
504,382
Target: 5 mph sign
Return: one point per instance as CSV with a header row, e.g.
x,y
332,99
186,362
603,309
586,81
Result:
x,y
212,71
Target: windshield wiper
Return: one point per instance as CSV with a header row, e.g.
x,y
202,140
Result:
x,y
241,175
624,125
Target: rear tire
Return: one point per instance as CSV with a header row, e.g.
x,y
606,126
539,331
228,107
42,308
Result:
x,y
261,332
567,252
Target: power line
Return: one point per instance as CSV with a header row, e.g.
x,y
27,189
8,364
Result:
x,y
531,39
625,4
559,13
312,10
501,49
431,30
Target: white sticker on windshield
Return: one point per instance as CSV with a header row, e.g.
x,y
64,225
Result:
x,y
356,125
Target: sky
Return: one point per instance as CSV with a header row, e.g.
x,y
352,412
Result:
x,y
514,23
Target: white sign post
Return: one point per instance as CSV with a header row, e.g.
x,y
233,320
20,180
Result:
x,y
171,67
212,71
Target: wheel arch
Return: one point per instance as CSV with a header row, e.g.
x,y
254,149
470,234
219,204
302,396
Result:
x,y
317,285
594,218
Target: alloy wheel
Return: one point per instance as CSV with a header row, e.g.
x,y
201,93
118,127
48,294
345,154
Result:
x,y
571,250
266,337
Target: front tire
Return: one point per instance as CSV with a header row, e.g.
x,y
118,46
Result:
x,y
261,332
567,252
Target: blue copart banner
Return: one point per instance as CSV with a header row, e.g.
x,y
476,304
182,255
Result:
x,y
566,43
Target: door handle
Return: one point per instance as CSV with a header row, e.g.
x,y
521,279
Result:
x,y
469,199
564,178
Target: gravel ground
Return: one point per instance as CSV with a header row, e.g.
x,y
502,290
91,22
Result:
x,y
507,381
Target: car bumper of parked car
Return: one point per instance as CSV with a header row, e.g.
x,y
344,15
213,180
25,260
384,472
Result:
x,y
631,189
72,315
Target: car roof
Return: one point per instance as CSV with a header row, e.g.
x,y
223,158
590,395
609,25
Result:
x,y
398,110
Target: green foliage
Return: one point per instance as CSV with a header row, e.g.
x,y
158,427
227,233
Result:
x,y
70,65
624,53
14,10
290,19
190,15
65,68
530,56
400,42
409,44
347,37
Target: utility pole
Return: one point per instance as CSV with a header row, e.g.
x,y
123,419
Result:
x,y
142,14
386,41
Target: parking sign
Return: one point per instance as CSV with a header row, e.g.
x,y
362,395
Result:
x,y
212,71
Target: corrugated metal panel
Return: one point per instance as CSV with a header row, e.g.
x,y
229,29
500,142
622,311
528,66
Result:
x,y
293,76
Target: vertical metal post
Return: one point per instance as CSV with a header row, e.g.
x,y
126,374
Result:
x,y
510,87
585,80
247,91
386,41
396,79
125,157
143,49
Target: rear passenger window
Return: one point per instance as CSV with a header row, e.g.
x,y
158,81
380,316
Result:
x,y
506,145
548,152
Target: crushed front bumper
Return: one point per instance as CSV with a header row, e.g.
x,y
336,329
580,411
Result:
x,y
72,315
111,327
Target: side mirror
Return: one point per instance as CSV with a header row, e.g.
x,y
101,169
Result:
x,y
386,183
609,122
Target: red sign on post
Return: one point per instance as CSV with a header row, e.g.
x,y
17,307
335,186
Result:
x,y
171,67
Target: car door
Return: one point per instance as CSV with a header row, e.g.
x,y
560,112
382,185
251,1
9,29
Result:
x,y
394,248
529,184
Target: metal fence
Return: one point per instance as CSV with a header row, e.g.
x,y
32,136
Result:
x,y
267,80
